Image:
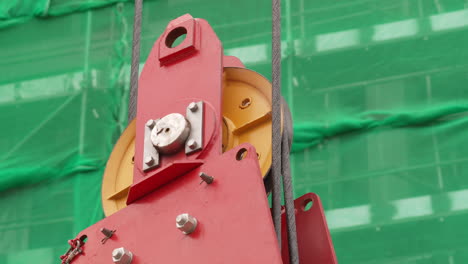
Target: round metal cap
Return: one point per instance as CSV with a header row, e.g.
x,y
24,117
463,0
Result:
x,y
170,133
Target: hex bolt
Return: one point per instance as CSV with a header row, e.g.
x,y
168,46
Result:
x,y
206,178
192,144
122,256
150,123
193,106
186,223
117,253
149,160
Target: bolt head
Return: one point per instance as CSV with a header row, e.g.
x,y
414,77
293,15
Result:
x,y
182,219
122,256
186,223
192,144
193,106
149,160
150,123
117,253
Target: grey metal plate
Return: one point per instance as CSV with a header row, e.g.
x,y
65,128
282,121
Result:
x,y
149,150
196,128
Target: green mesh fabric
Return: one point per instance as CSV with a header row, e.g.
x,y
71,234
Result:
x,y
309,134
19,11
377,88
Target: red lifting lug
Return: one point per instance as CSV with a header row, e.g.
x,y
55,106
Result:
x,y
176,76
184,25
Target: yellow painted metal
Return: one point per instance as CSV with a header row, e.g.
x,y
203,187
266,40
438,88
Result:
x,y
118,175
246,111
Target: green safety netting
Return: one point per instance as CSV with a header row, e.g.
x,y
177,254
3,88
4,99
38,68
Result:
x,y
378,92
19,11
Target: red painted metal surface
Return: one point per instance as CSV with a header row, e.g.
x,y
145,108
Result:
x,y
313,237
231,61
235,224
183,25
168,173
173,77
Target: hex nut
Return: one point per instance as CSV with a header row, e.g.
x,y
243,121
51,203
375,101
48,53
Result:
x,y
192,144
122,256
186,223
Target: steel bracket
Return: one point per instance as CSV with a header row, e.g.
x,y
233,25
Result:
x,y
195,115
148,149
167,174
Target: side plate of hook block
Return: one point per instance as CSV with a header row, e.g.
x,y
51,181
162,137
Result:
x,y
149,151
313,237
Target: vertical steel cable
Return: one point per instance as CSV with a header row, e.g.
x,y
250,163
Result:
x,y
276,116
132,104
289,201
280,145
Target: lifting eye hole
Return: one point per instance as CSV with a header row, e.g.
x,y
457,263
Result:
x,y
307,204
241,154
175,37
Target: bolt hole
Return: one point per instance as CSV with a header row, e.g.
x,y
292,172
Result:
x,y
241,154
83,238
245,103
175,37
307,204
